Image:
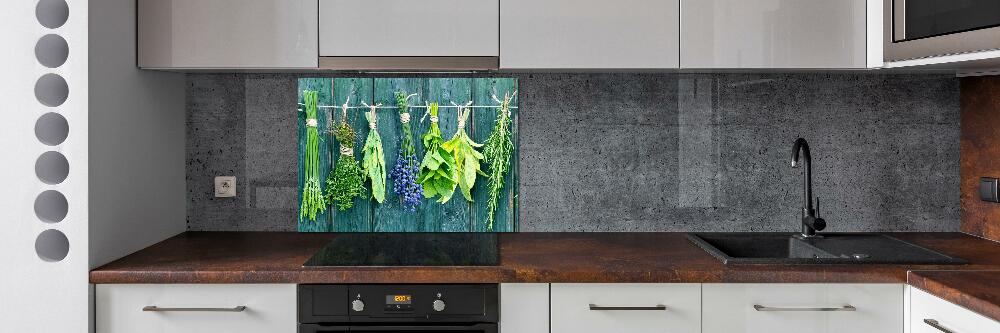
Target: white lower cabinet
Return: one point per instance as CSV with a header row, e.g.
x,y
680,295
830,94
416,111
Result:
x,y
190,308
625,308
802,308
524,307
569,308
930,314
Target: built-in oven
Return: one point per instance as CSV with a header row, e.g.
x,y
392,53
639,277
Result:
x,y
916,29
387,308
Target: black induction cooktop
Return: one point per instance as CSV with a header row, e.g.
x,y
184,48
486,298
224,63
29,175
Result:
x,y
409,249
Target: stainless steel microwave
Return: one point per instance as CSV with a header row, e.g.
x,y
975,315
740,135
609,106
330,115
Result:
x,y
916,29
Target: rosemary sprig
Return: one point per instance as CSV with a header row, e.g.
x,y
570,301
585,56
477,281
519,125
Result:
x,y
498,150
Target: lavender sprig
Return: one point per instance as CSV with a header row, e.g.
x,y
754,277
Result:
x,y
404,176
404,173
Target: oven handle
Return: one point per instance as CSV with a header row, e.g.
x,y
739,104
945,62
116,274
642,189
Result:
x,y
485,328
315,328
312,328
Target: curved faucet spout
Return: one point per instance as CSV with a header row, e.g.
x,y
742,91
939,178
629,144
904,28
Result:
x,y
810,222
807,188
800,145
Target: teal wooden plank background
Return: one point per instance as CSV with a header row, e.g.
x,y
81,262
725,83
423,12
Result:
x,y
457,215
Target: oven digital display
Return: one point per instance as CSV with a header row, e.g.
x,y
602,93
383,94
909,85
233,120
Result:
x,y
398,299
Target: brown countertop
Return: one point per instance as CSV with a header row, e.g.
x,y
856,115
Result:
x,y
975,290
268,257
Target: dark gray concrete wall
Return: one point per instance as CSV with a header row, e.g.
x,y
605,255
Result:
x,y
640,152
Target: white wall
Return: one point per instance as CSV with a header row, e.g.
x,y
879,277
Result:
x,y
125,149
38,295
137,186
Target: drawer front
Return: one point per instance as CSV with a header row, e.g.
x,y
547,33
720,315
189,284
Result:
x,y
802,308
947,316
269,308
654,308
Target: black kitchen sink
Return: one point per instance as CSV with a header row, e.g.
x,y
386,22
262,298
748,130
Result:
x,y
832,248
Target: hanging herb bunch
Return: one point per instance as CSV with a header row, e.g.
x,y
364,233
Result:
x,y
313,202
404,173
437,170
497,150
463,149
373,162
346,180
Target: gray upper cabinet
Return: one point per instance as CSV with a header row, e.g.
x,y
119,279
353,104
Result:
x,y
192,34
409,28
589,34
509,34
774,34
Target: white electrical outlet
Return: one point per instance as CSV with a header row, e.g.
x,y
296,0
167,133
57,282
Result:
x,y
225,187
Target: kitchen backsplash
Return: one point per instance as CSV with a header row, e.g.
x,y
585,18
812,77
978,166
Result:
x,y
639,152
979,127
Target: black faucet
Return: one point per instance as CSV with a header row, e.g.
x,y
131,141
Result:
x,y
810,221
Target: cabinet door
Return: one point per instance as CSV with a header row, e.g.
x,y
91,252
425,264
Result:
x,y
227,33
626,308
773,34
191,308
802,308
524,308
930,314
408,28
595,34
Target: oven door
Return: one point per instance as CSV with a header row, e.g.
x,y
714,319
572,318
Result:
x,y
474,328
916,29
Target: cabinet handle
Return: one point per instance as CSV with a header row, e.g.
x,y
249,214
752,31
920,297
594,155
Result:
x,y
935,324
154,308
759,307
657,307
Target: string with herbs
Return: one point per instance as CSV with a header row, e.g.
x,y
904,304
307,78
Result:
x,y
498,150
437,170
373,160
346,180
313,202
404,173
467,159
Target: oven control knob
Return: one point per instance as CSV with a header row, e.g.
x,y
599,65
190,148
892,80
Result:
x,y
438,305
358,305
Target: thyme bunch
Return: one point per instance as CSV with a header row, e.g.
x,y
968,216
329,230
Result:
x,y
346,180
